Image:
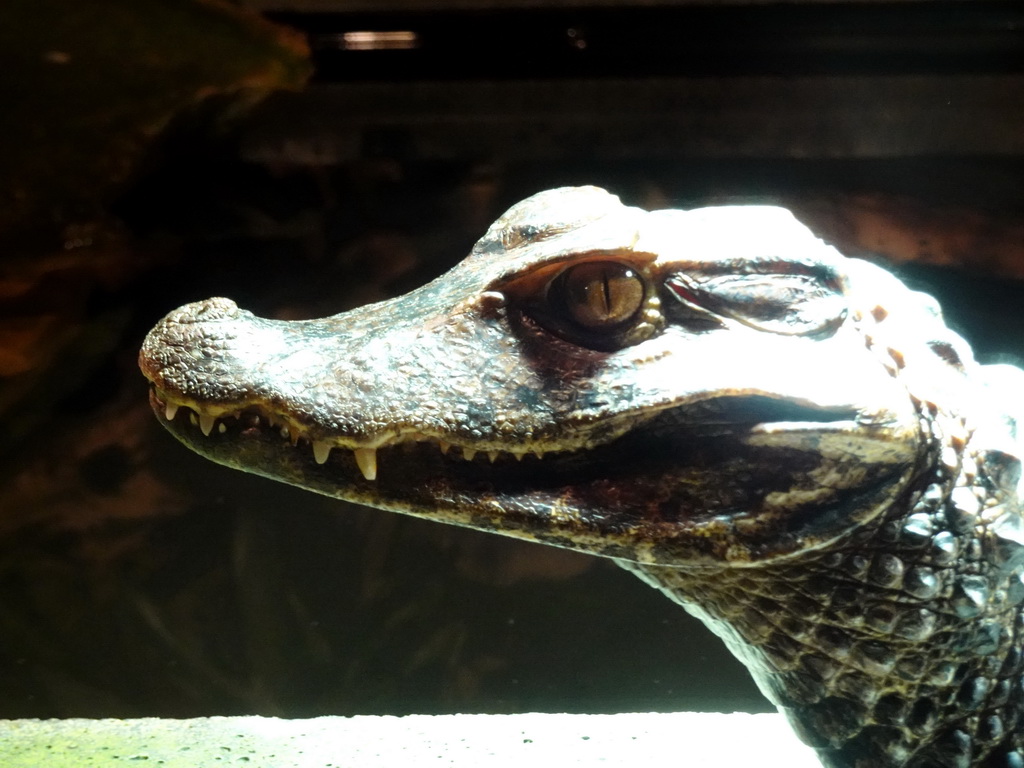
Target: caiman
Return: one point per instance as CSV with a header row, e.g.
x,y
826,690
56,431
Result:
x,y
789,443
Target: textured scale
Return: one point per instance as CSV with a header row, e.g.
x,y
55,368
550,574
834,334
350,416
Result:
x,y
895,637
790,444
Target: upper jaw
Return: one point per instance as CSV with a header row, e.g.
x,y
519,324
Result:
x,y
361,381
360,387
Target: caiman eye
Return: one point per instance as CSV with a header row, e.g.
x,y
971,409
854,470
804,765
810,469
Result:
x,y
600,295
602,305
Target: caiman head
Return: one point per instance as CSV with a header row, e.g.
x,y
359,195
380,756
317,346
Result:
x,y
790,443
675,387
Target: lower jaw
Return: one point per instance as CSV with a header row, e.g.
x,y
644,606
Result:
x,y
680,495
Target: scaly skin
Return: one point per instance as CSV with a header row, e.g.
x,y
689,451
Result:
x,y
789,443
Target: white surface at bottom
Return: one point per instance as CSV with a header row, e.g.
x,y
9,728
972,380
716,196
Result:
x,y
690,740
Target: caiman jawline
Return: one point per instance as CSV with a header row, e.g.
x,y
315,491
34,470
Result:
x,y
215,418
365,456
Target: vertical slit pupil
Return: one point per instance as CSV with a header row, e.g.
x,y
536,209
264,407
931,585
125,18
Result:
x,y
602,294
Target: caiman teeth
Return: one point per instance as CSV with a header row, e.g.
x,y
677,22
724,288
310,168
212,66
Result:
x,y
321,451
366,459
206,423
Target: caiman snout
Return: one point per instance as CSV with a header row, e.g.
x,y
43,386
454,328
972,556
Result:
x,y
199,349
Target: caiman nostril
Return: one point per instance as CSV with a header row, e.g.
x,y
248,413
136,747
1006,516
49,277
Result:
x,y
208,311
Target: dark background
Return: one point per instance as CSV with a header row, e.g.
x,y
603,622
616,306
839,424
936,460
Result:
x,y
138,579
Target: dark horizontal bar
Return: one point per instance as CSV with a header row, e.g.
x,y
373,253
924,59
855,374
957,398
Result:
x,y
555,120
777,39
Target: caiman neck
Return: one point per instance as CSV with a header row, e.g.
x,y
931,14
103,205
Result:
x,y
834,637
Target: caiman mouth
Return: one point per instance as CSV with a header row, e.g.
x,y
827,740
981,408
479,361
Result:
x,y
730,477
217,428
